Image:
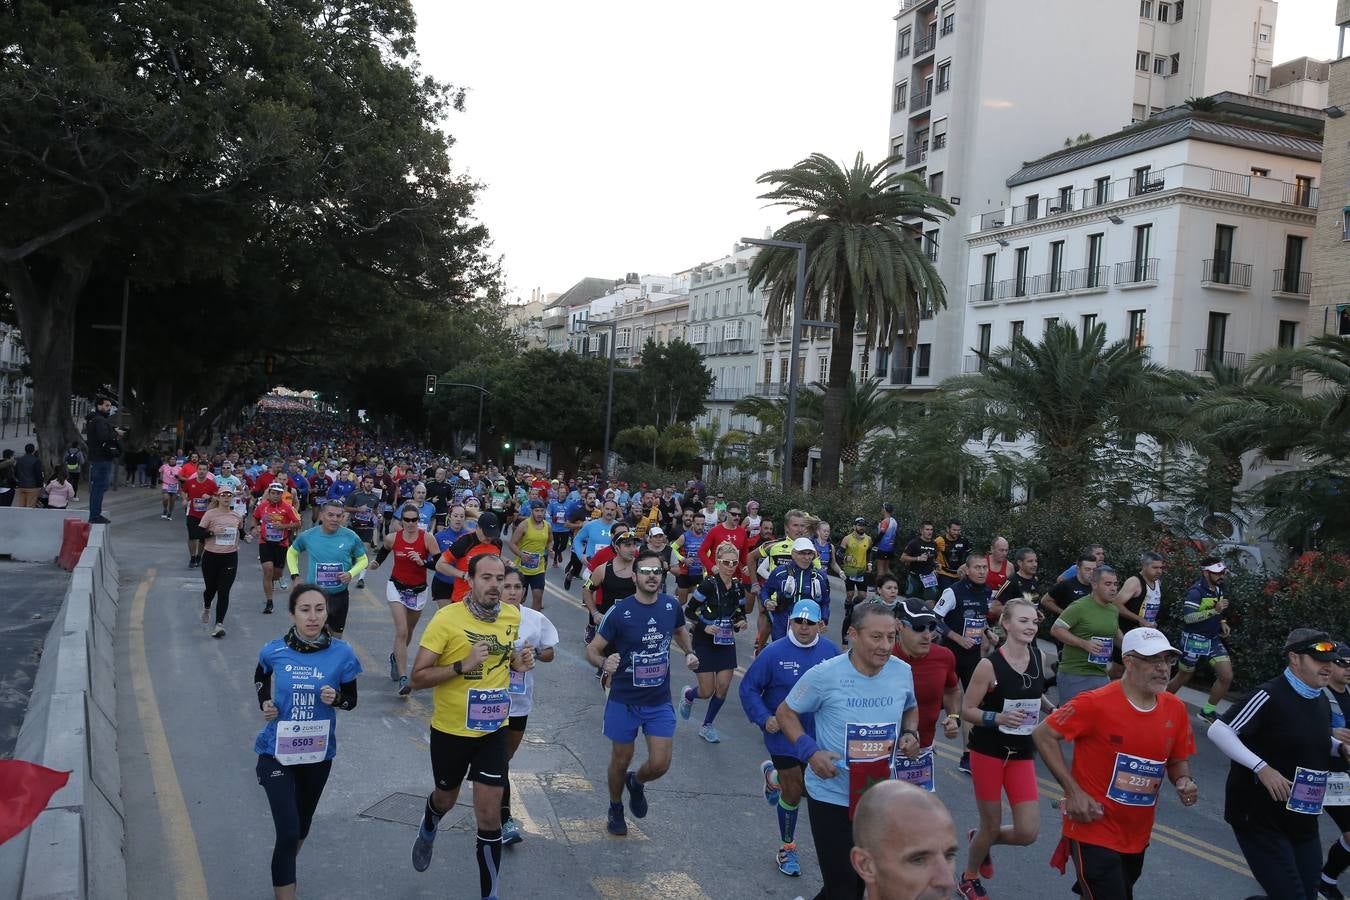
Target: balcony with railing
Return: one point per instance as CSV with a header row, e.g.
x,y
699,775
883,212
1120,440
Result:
x,y
1142,184
771,389
972,363
1137,272
729,394
724,347
920,98
1289,281
1027,212
924,43
1206,359
1224,273
917,155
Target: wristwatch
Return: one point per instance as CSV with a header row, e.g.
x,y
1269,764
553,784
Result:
x,y
910,731
458,667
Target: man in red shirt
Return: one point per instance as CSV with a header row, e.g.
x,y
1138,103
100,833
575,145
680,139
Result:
x,y
732,532
277,521
197,493
1127,737
933,666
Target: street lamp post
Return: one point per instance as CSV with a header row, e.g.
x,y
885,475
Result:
x,y
613,328
798,304
481,387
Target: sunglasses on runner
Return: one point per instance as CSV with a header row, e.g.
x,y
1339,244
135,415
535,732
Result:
x,y
648,570
922,626
804,622
413,519
1319,647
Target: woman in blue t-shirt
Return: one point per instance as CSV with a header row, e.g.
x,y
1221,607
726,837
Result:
x,y
302,678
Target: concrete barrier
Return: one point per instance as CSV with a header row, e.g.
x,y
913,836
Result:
x,y
33,535
75,848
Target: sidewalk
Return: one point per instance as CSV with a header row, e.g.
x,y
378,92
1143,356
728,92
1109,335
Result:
x,y
26,435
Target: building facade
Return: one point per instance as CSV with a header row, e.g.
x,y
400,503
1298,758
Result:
x,y
1301,82
659,317
1189,236
726,320
980,85
16,391
1329,311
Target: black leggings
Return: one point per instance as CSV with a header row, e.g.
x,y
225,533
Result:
x,y
218,571
832,833
560,541
293,792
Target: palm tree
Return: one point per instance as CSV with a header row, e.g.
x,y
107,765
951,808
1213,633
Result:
x,y
771,413
862,262
1071,398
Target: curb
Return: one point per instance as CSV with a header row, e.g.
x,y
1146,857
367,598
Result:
x,y
75,847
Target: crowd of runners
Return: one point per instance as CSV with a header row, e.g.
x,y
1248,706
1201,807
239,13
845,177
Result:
x,y
849,687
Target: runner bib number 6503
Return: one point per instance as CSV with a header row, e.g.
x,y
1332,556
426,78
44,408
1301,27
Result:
x,y
302,742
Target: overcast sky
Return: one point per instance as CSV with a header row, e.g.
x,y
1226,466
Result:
x,y
618,137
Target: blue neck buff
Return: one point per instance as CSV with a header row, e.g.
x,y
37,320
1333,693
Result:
x,y
1303,690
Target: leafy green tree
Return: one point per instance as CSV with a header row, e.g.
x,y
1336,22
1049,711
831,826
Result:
x,y
264,195
1073,399
862,262
924,450
672,384
771,414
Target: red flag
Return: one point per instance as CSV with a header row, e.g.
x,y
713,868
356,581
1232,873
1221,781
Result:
x,y
25,789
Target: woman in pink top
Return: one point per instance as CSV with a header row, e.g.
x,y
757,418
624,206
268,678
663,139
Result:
x,y
168,486
59,490
220,562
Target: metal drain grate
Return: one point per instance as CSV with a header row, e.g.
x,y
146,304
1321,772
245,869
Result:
x,y
406,809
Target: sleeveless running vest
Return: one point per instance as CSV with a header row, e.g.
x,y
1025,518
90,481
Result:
x,y
407,573
613,588
532,546
1010,684
692,543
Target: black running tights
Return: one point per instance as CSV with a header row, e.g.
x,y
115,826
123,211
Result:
x,y
293,792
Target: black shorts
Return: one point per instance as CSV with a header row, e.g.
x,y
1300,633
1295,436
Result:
x,y
483,759
516,723
688,582
885,554
367,535
966,661
1103,873
857,582
781,762
1341,816
441,590
338,604
272,553
194,529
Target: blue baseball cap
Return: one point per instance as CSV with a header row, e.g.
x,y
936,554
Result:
x,y
806,609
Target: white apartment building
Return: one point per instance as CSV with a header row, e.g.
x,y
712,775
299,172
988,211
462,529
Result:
x,y
622,302
979,86
16,391
659,317
726,320
1190,235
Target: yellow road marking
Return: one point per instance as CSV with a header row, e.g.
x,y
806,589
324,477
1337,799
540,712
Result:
x,y
173,814
667,885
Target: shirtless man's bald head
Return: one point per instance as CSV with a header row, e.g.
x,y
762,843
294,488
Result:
x,y
904,844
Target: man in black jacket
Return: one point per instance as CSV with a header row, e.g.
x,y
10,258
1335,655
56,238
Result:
x,y
104,446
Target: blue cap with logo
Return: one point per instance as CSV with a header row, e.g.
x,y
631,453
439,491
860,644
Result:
x,y
806,609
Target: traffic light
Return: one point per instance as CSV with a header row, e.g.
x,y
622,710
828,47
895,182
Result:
x,y
431,384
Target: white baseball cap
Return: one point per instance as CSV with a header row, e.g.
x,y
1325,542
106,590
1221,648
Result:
x,y
1146,642
1218,568
803,543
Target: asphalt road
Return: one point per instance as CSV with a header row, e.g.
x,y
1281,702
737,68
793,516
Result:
x,y
198,825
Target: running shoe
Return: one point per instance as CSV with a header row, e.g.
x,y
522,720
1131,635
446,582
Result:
x,y
393,668
567,586
616,825
1329,891
284,583
787,861
511,832
360,582
964,764
267,609
218,631
422,847
971,889
686,703
192,562
987,866
1209,718
637,797
206,615
709,734
771,789
404,688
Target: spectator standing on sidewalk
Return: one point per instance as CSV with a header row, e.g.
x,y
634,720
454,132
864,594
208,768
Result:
x,y
104,445
28,472
8,480
74,461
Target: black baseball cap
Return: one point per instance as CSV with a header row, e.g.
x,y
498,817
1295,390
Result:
x,y
490,525
912,611
860,521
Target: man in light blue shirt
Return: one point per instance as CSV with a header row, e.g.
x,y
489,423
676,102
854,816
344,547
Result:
x,y
865,715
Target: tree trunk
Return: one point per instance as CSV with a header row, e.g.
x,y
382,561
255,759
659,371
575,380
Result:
x,y
46,314
836,391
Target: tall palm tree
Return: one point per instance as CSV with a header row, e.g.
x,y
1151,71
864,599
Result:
x,y
1069,397
862,262
771,413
